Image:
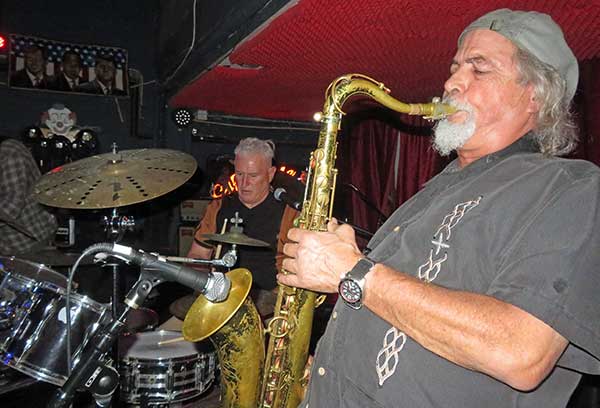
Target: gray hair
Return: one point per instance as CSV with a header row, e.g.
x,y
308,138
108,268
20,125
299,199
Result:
x,y
555,132
252,145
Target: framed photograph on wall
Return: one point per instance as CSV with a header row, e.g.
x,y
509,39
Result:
x,y
48,65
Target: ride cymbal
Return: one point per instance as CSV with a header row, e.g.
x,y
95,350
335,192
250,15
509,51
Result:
x,y
113,180
235,238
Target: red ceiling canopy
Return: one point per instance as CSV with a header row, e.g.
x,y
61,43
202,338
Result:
x,y
283,70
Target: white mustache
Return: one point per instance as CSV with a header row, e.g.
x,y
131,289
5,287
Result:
x,y
460,106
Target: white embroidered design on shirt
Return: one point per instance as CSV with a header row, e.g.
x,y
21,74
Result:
x,y
387,358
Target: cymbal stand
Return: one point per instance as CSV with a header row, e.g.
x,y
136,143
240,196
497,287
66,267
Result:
x,y
115,227
227,261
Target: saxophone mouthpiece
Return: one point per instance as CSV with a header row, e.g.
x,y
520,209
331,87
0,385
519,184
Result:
x,y
438,110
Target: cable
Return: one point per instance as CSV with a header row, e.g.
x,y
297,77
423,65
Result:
x,y
257,127
92,249
191,45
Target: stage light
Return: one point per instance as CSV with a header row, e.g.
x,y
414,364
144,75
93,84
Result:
x,y
182,117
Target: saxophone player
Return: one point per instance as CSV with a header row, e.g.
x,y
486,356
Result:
x,y
481,290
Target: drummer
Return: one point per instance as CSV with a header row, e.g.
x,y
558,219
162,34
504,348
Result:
x,y
263,218
25,225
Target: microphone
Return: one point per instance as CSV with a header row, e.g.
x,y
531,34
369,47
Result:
x,y
214,286
281,194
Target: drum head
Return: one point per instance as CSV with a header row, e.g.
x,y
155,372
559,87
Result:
x,y
145,346
32,271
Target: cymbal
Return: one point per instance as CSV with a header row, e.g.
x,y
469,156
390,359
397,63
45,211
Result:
x,y
114,180
56,257
235,238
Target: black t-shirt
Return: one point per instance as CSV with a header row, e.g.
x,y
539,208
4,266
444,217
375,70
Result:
x,y
261,222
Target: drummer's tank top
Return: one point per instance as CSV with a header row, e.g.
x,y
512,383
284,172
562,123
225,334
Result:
x,y
261,222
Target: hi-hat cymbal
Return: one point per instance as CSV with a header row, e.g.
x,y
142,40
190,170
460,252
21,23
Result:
x,y
235,238
113,180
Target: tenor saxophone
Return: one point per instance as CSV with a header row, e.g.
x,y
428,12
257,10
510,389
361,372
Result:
x,y
289,331
235,327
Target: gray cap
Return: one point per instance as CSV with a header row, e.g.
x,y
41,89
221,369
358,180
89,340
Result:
x,y
534,32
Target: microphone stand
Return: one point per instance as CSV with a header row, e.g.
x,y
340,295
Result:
x,y
94,371
365,199
360,231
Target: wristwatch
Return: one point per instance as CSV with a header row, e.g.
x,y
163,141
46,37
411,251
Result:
x,y
351,287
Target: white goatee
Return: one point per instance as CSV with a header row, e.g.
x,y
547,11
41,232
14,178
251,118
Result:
x,y
450,136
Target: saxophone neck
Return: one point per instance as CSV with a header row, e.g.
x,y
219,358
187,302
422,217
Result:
x,y
345,86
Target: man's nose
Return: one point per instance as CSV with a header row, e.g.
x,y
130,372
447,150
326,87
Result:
x,y
243,181
457,84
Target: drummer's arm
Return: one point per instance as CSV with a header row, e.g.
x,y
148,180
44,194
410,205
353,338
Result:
x,y
208,225
199,251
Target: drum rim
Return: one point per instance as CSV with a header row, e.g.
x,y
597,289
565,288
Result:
x,y
37,372
165,335
39,266
61,290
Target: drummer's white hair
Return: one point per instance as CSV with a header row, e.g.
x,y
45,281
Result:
x,y
252,145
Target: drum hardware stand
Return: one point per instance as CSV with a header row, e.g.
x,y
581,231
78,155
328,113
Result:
x,y
228,260
115,227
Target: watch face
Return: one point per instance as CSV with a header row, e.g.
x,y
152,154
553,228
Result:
x,y
350,291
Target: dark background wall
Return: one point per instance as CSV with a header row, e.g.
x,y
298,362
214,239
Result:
x,y
126,24
142,120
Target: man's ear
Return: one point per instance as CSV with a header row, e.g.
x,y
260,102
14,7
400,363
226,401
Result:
x,y
272,171
533,106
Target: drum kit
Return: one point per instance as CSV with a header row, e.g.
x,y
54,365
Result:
x,y
45,324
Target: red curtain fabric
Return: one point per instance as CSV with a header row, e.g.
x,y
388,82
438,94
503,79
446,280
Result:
x,y
368,151
371,148
587,109
418,162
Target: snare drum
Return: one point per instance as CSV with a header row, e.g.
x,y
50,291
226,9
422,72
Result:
x,y
33,320
164,374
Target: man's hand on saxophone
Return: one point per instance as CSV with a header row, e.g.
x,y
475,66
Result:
x,y
318,260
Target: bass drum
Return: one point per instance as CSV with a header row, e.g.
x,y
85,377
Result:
x,y
156,373
33,318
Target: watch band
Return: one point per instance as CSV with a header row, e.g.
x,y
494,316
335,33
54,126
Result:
x,y
351,287
361,268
